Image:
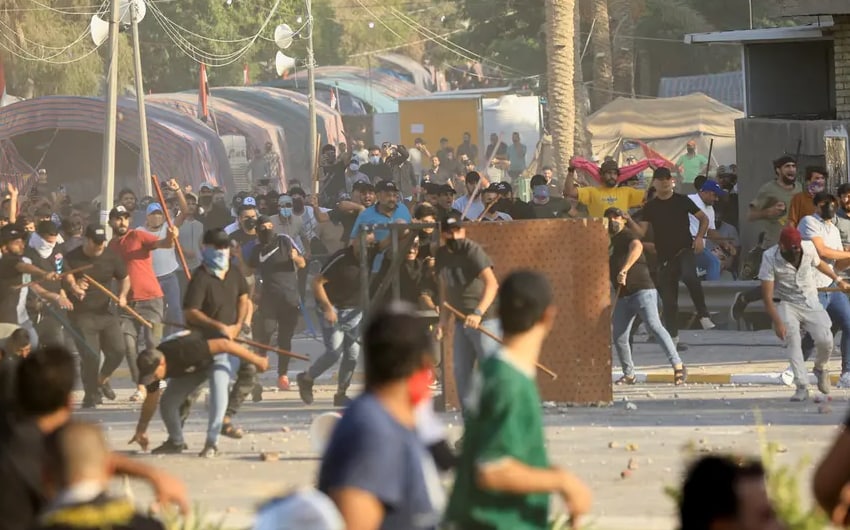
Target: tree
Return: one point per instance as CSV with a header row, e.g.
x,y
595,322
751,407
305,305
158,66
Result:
x,y
603,76
560,51
623,17
582,139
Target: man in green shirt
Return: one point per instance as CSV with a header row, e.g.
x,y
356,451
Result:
x,y
691,164
504,477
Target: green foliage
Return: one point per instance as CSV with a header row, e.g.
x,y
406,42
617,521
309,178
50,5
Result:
x,y
196,520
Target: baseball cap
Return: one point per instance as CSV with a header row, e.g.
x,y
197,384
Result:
x,y
613,212
263,219
492,188
504,187
662,173
216,237
452,220
711,185
96,233
363,185
790,237
118,211
147,363
249,201
445,188
10,232
153,207
432,188
386,185
306,508
206,186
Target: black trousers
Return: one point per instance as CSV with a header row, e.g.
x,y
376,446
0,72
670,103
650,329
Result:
x,y
281,315
101,332
682,267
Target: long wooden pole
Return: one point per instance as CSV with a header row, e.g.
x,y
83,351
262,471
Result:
x,y
114,298
493,336
66,273
168,220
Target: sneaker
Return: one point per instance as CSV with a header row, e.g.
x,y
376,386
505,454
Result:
x,y
169,448
257,393
787,376
138,395
739,305
107,392
209,451
341,400
822,375
283,383
305,388
89,402
802,394
844,380
706,323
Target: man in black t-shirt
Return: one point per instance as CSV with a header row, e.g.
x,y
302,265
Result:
x,y
543,205
347,209
466,281
667,214
337,291
507,203
636,297
13,267
98,327
186,360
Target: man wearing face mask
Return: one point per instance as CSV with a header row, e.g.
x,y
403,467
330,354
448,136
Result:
x,y
470,203
636,297
789,276
216,304
375,168
608,195
542,204
218,215
353,175
513,206
801,204
44,252
820,229
347,210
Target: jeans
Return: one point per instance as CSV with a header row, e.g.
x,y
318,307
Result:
x,y
150,310
102,333
817,324
711,263
246,380
341,340
643,303
681,266
180,388
837,306
173,301
283,316
470,345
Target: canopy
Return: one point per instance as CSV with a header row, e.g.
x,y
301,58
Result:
x,y
180,147
665,125
405,68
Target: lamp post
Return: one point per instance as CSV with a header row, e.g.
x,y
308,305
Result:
x,y
311,97
107,182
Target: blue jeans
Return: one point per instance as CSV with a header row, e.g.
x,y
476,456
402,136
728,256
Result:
x,y
470,345
643,303
837,306
173,313
180,388
341,340
711,263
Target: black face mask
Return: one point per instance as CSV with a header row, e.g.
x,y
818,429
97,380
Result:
x,y
298,205
249,223
265,236
453,244
827,211
792,255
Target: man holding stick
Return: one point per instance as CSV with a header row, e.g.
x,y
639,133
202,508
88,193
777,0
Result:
x,y
136,248
91,316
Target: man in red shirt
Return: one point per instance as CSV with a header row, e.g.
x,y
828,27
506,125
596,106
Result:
x,y
135,247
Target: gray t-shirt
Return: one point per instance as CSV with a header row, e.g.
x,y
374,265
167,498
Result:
x,y
370,451
769,194
461,272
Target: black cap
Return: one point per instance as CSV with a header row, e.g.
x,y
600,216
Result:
x,y
493,188
432,188
662,173
386,185
119,211
148,362
504,187
362,185
10,232
263,219
445,188
96,233
216,237
613,212
452,220
782,160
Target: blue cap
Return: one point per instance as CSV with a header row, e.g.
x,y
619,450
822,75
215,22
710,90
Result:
x,y
711,185
153,207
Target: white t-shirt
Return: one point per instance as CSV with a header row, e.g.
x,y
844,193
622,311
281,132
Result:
x,y
164,259
707,210
813,226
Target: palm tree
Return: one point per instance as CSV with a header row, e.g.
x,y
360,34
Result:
x,y
582,139
560,51
603,76
623,15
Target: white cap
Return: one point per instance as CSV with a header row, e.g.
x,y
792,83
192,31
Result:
x,y
304,509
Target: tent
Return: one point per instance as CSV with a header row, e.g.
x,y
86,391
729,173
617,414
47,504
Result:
x,y
664,125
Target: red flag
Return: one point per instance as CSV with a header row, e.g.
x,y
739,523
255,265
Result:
x,y
203,94
246,76
2,83
651,153
334,101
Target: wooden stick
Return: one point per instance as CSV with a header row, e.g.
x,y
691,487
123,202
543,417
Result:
x,y
708,164
832,290
66,273
168,220
487,209
114,298
250,342
493,336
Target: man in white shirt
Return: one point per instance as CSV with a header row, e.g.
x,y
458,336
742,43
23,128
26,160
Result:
x,y
705,200
821,230
789,276
165,264
470,205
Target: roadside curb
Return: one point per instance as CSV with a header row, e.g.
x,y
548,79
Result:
x,y
768,378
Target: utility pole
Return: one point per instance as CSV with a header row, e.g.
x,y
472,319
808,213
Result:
x,y
311,97
107,184
140,100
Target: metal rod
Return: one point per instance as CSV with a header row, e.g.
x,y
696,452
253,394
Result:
x,y
107,177
140,101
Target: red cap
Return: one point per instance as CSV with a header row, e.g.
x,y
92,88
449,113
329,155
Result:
x,y
790,237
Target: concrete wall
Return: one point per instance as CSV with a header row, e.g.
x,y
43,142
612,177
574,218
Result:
x,y
841,43
760,141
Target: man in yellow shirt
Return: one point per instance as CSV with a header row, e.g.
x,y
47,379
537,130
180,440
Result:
x,y
608,195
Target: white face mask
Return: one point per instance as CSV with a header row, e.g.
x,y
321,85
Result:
x,y
354,168
42,247
375,159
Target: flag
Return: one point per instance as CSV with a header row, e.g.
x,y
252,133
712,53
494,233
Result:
x,y
203,94
334,101
246,76
651,153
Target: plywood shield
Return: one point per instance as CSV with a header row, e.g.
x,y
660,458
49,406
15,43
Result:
x,y
573,254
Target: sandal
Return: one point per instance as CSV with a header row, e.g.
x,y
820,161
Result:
x,y
680,376
227,429
626,380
